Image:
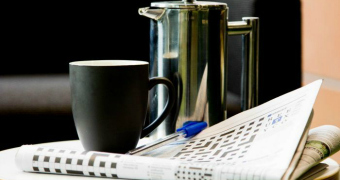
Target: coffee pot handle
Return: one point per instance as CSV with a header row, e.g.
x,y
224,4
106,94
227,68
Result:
x,y
249,29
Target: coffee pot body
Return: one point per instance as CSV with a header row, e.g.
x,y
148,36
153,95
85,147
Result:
x,y
188,45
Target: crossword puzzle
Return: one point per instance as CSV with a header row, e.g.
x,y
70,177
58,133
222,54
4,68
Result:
x,y
227,146
75,162
233,144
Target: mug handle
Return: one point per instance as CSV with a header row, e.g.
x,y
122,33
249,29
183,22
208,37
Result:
x,y
168,106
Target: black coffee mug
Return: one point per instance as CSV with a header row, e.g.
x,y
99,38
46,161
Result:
x,y
109,103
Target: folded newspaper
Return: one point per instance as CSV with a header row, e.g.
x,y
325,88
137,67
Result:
x,y
271,141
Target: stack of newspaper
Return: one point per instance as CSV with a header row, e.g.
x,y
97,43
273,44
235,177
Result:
x,y
271,141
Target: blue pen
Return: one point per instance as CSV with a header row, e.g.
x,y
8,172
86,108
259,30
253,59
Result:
x,y
189,129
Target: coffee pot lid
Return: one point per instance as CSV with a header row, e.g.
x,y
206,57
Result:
x,y
187,4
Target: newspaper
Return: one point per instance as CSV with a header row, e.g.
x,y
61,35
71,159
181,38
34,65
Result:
x,y
259,143
322,142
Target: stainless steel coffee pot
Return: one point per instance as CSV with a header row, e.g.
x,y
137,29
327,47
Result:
x,y
188,42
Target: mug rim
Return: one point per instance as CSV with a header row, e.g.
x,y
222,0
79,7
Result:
x,y
108,63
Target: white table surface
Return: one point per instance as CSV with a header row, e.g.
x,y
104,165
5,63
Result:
x,y
9,171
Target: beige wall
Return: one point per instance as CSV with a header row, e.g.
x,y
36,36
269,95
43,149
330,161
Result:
x,y
321,57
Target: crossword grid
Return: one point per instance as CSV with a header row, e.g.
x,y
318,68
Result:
x,y
51,160
226,148
231,145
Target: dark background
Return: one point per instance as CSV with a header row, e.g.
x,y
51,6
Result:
x,y
42,38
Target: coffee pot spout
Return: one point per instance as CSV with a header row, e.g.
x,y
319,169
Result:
x,y
155,14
